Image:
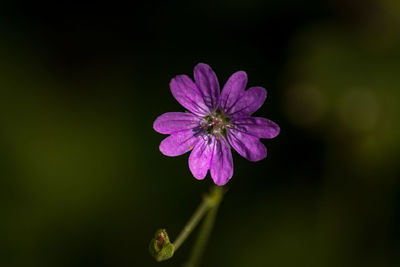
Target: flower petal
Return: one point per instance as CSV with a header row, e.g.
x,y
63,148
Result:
x,y
207,82
246,145
249,102
188,95
233,90
179,143
221,168
258,127
201,156
171,122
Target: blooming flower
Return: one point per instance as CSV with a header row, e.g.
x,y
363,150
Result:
x,y
217,121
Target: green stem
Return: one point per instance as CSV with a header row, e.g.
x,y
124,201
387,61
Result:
x,y
203,236
194,220
208,202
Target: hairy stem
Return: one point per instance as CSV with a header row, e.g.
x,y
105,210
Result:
x,y
192,223
203,236
209,201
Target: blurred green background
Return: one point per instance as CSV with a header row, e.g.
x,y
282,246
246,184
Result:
x,y
82,182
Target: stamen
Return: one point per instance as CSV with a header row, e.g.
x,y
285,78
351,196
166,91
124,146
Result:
x,y
216,123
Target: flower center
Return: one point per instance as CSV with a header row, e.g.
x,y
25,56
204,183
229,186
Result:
x,y
216,123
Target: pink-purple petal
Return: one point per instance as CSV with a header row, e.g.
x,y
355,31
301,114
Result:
x,y
178,143
258,127
233,90
207,82
201,156
249,103
246,145
222,164
188,95
200,130
171,122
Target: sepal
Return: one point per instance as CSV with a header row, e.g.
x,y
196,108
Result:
x,y
160,246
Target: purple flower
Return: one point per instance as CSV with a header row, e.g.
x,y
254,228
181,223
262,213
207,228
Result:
x,y
218,120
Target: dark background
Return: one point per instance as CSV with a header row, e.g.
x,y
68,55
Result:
x,y
82,182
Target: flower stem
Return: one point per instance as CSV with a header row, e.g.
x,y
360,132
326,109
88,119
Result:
x,y
209,201
194,220
203,236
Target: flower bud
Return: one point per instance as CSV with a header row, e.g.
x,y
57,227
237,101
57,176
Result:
x,y
160,247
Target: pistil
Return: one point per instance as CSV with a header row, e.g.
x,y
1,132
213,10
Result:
x,y
216,123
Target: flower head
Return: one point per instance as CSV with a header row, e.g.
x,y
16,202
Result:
x,y
216,122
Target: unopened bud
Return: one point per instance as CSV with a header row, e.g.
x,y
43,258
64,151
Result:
x,y
160,247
